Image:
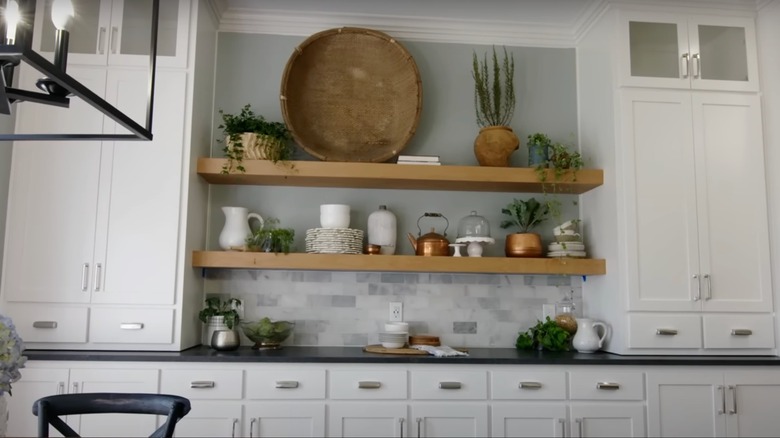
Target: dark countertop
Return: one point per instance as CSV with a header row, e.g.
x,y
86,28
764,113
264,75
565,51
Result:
x,y
485,356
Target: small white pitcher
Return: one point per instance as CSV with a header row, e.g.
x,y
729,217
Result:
x,y
236,229
587,340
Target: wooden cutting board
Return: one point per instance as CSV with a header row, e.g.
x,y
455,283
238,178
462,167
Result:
x,y
382,350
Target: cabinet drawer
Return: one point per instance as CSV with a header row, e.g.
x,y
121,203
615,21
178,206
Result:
x,y
44,323
664,331
131,326
368,384
528,385
606,385
739,331
203,384
449,385
285,383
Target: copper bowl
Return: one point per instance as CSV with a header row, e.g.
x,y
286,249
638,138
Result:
x,y
523,245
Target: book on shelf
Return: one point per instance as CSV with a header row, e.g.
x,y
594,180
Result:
x,y
423,158
419,163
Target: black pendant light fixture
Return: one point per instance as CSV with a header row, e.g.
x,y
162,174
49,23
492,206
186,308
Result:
x,y
57,87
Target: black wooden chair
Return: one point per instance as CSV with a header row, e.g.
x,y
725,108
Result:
x,y
49,409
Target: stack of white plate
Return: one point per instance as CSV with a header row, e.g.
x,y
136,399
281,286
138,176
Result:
x,y
334,241
393,339
568,241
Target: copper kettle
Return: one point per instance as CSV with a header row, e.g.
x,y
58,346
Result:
x,y
430,244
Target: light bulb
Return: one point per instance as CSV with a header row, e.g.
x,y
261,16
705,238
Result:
x,y
61,13
12,17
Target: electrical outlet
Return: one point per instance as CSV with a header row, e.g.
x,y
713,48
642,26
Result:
x,y
396,311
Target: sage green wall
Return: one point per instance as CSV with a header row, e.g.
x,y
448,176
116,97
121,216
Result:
x,y
250,68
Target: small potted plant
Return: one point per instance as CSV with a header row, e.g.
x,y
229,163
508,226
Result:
x,y
270,238
494,99
219,315
545,335
525,215
249,135
539,145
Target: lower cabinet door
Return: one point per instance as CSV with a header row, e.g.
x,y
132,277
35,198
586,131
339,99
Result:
x,y
35,383
686,403
752,399
528,420
367,419
284,419
607,420
211,419
453,419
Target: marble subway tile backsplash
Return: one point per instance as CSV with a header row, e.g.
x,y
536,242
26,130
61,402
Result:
x,y
350,308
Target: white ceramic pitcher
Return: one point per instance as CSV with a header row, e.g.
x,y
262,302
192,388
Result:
x,y
587,339
236,229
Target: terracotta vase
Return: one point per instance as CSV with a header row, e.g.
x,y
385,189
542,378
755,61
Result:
x,y
494,145
523,245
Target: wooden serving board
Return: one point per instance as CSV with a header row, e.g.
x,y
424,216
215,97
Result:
x,y
382,350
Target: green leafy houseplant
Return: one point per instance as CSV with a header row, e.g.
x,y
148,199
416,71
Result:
x,y
539,145
545,335
273,139
217,307
525,215
494,95
270,238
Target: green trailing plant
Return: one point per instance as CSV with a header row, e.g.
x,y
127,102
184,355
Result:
x,y
525,215
276,147
215,306
545,335
271,238
561,161
539,144
494,94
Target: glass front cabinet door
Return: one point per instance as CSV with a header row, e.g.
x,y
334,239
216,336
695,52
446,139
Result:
x,y
703,53
117,32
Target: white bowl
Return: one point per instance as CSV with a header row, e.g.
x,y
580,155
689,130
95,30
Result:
x,y
334,216
397,327
393,344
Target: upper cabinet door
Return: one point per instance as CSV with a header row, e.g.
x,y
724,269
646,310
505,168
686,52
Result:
x,y
118,32
672,51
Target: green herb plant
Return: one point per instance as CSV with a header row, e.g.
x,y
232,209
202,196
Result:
x,y
494,95
541,144
215,306
545,335
525,215
276,148
271,238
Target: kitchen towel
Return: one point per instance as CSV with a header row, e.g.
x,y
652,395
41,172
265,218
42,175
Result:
x,y
440,351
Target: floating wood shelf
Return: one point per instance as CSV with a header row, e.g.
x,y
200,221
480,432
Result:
x,y
399,263
400,176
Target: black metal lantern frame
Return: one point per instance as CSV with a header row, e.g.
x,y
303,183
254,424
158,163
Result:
x,y
58,86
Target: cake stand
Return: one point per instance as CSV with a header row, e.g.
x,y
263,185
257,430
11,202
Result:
x,y
474,248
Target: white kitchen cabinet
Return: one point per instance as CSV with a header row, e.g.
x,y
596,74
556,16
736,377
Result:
x,y
368,419
285,419
118,32
607,420
449,419
211,419
685,402
680,51
527,419
45,381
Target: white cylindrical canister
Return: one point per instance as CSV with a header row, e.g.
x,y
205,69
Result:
x,y
382,230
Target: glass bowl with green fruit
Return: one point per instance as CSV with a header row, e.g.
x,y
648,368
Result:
x,y
266,333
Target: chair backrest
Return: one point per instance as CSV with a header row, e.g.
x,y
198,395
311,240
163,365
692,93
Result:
x,y
49,409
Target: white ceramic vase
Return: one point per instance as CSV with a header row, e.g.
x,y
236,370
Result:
x,y
382,230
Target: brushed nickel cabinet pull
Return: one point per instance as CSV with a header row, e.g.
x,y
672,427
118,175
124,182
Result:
x,y
579,426
45,324
741,332
85,277
733,390
252,427
61,388
102,41
722,409
286,384
419,423
684,65
114,38
666,332
98,275
696,65
562,421
131,326
200,384
530,385
369,385
708,279
401,427
608,386
697,297
450,385
233,429
75,388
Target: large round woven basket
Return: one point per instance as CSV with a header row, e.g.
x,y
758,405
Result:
x,y
351,94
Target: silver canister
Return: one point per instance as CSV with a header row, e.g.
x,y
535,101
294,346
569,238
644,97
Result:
x,y
225,340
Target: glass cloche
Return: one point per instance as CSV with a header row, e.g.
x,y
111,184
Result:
x,y
473,225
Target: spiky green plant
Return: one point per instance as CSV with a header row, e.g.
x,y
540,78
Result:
x,y
494,95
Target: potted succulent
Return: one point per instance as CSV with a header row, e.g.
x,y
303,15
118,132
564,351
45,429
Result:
x,y
219,315
494,99
539,145
249,135
525,215
270,238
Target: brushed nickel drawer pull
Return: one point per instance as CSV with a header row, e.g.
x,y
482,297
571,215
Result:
x,y
530,385
608,385
369,385
286,384
199,384
666,332
45,324
131,326
741,332
450,385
